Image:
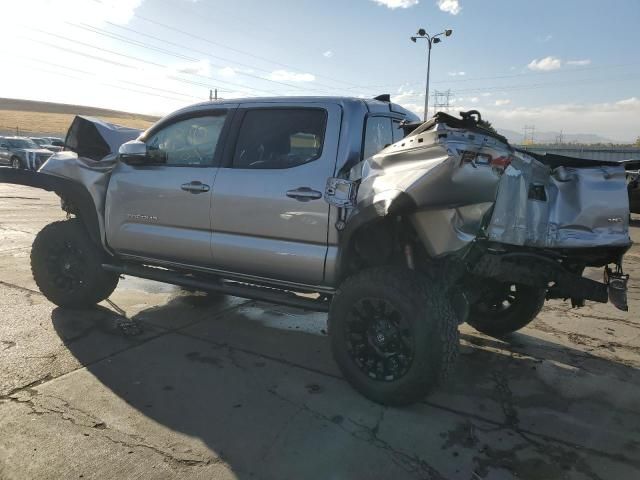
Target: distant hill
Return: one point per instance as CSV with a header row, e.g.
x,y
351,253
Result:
x,y
552,137
28,117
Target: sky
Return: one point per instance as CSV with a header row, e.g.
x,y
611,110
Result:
x,y
570,65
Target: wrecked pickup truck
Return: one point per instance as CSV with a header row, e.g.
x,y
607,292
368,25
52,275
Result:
x,y
400,230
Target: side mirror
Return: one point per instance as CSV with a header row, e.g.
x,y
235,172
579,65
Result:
x,y
135,152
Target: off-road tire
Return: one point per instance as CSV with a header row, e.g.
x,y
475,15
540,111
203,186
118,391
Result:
x,y
529,302
433,325
16,163
67,266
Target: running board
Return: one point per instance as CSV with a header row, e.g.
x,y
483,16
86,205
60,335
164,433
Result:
x,y
217,285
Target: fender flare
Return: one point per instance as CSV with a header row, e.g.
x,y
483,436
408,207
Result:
x,y
390,203
64,188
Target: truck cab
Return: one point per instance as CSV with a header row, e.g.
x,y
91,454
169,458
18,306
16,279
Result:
x,y
237,187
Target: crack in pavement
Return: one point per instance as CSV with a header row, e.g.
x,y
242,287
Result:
x,y
412,464
45,404
415,464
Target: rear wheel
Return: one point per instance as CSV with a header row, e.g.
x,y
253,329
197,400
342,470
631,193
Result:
x,y
67,266
393,338
506,309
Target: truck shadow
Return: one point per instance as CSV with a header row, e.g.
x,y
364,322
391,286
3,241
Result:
x,y
267,401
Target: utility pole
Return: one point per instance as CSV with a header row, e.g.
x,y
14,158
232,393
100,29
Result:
x,y
213,95
529,134
441,100
422,34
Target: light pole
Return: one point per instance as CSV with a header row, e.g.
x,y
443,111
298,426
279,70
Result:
x,y
422,34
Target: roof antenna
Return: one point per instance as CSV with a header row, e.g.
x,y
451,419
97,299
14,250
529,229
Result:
x,y
385,97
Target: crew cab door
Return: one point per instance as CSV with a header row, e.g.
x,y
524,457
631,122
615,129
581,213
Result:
x,y
162,210
269,216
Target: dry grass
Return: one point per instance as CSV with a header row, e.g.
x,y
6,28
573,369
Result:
x,y
44,118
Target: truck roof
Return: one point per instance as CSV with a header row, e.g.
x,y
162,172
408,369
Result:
x,y
372,105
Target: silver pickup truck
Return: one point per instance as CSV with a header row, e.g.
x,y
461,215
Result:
x,y
400,230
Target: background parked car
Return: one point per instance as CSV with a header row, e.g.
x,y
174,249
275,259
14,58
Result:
x,y
22,152
44,142
55,141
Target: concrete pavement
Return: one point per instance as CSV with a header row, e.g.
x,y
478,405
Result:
x,y
161,383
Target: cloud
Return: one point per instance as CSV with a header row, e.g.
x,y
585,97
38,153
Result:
x,y
228,72
201,67
474,99
457,74
450,6
328,54
393,4
579,63
486,94
545,64
545,39
502,102
286,76
618,120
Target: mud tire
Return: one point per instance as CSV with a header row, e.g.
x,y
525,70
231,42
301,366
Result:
x,y
529,301
67,266
423,307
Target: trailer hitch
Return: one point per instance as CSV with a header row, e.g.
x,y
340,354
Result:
x,y
617,287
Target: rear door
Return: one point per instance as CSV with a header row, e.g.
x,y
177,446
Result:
x,y
269,215
163,211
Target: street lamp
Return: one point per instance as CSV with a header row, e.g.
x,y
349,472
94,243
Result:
x,y
422,34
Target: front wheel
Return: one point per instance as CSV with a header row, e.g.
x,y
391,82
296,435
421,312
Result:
x,y
67,266
506,309
393,336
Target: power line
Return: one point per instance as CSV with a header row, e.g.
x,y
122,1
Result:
x,y
249,54
233,62
515,75
219,44
142,60
75,77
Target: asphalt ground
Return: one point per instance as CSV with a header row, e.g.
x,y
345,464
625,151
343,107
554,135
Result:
x,y
163,383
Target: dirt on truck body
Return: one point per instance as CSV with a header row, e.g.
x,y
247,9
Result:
x,y
447,224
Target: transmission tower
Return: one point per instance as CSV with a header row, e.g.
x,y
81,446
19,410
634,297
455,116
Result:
x,y
529,134
441,101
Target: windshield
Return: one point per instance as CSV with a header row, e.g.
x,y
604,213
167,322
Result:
x,y
39,141
22,143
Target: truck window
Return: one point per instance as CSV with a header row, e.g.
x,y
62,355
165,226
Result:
x,y
188,142
398,131
377,135
280,138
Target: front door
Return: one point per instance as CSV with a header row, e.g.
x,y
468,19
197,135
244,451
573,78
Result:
x,y
269,216
163,210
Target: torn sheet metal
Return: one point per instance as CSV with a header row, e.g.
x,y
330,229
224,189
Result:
x,y
95,139
100,140
467,184
560,208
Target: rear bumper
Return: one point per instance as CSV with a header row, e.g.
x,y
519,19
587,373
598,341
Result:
x,y
559,271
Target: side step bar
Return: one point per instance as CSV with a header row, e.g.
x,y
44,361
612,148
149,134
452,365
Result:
x,y
252,292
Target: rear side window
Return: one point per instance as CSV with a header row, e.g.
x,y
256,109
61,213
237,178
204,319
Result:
x,y
377,135
280,138
398,131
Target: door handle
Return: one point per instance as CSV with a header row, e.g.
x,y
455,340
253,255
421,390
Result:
x,y
195,187
304,194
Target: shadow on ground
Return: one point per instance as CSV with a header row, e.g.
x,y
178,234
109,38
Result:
x,y
271,404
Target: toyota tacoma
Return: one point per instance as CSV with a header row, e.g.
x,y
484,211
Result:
x,y
399,229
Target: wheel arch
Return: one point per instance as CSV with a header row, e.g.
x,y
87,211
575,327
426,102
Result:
x,y
373,223
76,199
